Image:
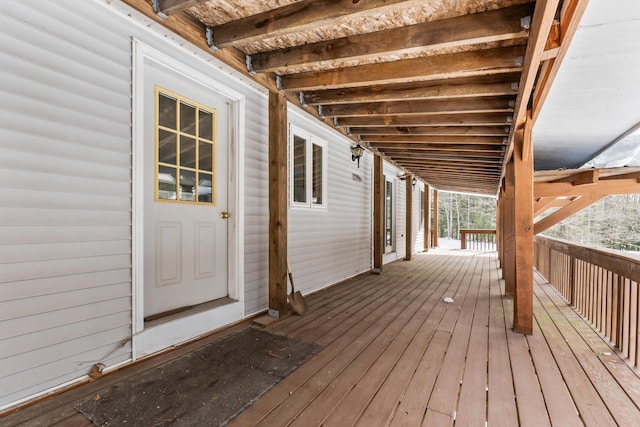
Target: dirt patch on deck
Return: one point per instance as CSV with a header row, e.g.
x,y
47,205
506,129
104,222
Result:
x,y
205,388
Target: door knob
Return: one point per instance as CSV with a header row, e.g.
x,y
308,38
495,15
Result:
x,y
225,215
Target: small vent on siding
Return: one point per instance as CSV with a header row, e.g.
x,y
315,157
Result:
x,y
356,177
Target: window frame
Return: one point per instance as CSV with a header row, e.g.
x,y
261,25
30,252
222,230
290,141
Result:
x,y
310,140
197,170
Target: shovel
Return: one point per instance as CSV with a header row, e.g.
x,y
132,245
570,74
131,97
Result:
x,y
296,299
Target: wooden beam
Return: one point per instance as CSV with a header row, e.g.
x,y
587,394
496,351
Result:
x,y
433,130
603,187
428,139
471,119
440,89
552,47
446,106
486,27
467,156
586,178
563,213
297,17
278,204
434,234
427,218
417,147
409,217
541,23
524,247
447,66
509,266
572,12
378,213
541,204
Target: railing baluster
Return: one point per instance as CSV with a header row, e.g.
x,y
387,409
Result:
x,y
601,285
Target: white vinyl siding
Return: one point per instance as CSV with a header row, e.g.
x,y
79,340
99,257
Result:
x,y
65,207
326,246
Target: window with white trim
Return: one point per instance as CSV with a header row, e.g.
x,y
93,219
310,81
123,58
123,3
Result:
x,y
307,170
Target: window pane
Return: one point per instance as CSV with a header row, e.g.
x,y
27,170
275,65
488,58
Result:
x,y
187,119
204,187
206,125
205,155
187,185
299,169
187,152
166,111
166,183
388,215
317,175
166,147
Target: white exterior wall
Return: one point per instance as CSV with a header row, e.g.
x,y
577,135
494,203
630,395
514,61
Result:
x,y
326,246
66,279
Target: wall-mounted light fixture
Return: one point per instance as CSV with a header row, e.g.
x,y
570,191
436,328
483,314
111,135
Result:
x,y
356,153
414,181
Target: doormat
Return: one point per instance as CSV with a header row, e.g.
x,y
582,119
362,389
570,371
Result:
x,y
208,387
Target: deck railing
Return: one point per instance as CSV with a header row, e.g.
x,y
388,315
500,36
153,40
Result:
x,y
480,240
601,285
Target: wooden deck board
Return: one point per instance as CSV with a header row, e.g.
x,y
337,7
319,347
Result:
x,y
397,355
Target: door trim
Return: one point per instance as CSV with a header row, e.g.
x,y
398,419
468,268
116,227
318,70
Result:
x,y
153,339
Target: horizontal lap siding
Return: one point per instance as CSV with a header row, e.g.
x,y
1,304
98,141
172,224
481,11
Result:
x,y
327,246
65,188
418,232
256,204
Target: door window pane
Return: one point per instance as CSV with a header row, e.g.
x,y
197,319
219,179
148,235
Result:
x,y
187,118
166,147
299,170
187,152
205,127
205,156
205,181
167,183
187,185
167,111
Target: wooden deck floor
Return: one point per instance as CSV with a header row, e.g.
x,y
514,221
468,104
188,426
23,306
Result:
x,y
396,354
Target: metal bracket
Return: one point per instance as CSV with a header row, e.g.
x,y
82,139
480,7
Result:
x,y
348,130
247,59
335,122
512,103
274,313
525,22
301,97
515,85
320,111
279,84
209,35
520,61
509,119
157,10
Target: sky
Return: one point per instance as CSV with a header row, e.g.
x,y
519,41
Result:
x,y
625,152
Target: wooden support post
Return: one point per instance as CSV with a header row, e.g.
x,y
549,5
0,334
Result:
x,y
508,269
434,235
378,212
277,204
523,201
427,218
498,230
409,223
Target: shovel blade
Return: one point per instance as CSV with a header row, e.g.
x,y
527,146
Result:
x,y
298,303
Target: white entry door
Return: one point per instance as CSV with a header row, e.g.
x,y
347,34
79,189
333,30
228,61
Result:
x,y
186,145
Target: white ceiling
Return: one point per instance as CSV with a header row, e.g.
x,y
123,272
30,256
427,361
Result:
x,y
595,97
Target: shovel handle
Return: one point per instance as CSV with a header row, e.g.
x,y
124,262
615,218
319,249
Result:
x,y
293,290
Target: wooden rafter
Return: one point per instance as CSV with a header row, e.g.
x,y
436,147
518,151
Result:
x,y
298,17
474,105
433,130
447,66
430,139
471,119
485,27
441,89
